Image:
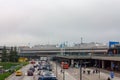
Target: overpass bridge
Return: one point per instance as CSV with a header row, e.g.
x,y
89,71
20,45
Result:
x,y
37,52
94,55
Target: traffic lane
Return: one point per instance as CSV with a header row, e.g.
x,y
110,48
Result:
x,y
34,77
16,78
28,78
23,69
60,74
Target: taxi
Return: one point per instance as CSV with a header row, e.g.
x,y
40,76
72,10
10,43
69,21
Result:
x,y
18,73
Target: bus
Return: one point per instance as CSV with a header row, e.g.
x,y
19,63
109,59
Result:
x,y
32,61
64,65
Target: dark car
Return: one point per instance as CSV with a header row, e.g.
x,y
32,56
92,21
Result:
x,y
30,73
47,78
33,69
47,75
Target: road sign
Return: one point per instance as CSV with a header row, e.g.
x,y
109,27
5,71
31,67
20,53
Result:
x,y
112,43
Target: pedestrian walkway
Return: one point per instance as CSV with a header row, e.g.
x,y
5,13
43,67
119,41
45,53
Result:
x,y
74,74
90,76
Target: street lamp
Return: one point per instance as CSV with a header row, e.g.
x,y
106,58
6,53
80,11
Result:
x,y
80,69
63,74
63,70
56,68
99,69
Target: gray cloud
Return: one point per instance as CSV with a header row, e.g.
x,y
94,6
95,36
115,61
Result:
x,y
54,21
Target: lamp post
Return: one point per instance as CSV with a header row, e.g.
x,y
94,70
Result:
x,y
80,69
99,69
63,74
56,68
63,70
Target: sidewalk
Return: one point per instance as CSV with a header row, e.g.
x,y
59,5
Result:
x,y
91,76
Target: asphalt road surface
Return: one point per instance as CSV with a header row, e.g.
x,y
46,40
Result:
x,y
24,76
60,74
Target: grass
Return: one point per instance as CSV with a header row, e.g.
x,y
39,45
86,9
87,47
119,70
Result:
x,y
5,75
8,65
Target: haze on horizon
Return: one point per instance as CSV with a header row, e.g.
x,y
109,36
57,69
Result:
x,y
56,21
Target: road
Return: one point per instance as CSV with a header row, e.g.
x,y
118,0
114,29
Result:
x,y
74,74
23,77
69,74
60,75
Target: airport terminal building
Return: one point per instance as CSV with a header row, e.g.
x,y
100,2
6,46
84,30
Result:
x,y
91,54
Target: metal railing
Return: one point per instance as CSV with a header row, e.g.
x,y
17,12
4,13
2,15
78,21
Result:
x,y
88,55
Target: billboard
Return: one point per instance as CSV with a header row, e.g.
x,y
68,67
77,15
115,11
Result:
x,y
112,43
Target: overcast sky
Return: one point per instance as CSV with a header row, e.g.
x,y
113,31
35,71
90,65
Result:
x,y
56,21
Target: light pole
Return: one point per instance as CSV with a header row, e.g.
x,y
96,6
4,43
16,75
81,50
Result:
x,y
80,69
63,74
99,69
56,68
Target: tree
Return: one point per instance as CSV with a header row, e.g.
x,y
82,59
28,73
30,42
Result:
x,y
13,54
5,55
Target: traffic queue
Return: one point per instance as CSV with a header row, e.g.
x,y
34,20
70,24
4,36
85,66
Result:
x,y
42,68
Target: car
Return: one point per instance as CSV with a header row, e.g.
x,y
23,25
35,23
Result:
x,y
39,68
47,75
18,73
33,69
47,78
30,73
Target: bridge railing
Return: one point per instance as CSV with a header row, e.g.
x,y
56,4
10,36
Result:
x,y
107,55
75,56
89,55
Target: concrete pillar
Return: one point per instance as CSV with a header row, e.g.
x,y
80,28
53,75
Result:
x,y
103,64
72,62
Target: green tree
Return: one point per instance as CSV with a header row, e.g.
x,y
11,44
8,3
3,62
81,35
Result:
x,y
5,55
13,54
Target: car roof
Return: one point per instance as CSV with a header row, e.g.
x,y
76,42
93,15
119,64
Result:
x,y
18,71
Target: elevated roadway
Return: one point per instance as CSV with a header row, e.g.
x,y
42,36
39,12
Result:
x,y
54,51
